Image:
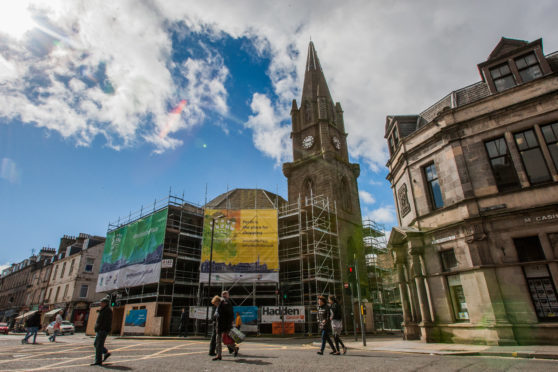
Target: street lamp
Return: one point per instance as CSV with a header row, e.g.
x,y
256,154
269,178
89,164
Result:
x,y
214,216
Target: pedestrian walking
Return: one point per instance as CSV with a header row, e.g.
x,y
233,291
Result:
x,y
32,323
227,305
183,327
324,322
103,326
213,343
56,327
336,323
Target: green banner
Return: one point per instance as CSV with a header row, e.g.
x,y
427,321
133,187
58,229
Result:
x,y
133,253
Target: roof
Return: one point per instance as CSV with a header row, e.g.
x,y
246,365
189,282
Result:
x,y
314,80
246,199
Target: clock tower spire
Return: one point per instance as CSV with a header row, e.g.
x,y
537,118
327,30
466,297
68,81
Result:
x,y
320,163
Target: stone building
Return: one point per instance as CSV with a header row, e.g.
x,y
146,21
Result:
x,y
475,182
36,292
17,284
73,277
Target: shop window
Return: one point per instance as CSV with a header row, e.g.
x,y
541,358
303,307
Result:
x,y
529,249
550,133
448,259
458,300
542,291
501,163
502,77
83,291
434,191
89,261
532,156
528,67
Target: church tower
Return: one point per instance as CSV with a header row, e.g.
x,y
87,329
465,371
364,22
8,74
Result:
x,y
321,164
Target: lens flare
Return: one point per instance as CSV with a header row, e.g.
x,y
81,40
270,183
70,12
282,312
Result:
x,y
15,19
173,117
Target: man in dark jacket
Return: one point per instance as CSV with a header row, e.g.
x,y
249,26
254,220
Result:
x,y
324,322
33,323
102,327
183,327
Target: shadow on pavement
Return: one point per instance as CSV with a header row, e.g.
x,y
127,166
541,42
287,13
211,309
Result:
x,y
120,368
254,362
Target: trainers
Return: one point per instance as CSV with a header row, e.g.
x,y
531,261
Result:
x,y
106,356
320,353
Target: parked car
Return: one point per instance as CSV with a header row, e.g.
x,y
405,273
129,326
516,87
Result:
x,y
4,328
65,328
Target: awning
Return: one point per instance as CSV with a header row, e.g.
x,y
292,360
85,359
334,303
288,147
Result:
x,y
53,312
26,315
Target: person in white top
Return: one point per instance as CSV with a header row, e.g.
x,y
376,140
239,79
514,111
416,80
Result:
x,y
57,324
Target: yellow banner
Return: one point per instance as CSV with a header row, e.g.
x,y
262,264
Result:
x,y
245,245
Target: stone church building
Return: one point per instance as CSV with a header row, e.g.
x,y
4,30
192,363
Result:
x,y
475,181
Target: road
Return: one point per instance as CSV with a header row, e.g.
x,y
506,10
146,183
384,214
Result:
x,y
71,353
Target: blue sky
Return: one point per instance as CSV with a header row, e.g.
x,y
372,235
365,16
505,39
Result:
x,y
90,94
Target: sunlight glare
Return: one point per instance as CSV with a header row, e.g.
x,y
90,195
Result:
x,y
15,19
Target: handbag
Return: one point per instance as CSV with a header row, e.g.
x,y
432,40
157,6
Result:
x,y
237,335
227,340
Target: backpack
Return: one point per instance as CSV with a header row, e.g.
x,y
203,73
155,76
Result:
x,y
337,312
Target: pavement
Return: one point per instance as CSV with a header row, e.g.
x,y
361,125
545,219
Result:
x,y
397,344
75,353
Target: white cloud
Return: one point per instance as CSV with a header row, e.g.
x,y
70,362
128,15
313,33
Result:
x,y
373,68
366,197
385,215
9,171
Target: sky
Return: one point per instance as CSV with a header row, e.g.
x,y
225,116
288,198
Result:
x,y
106,106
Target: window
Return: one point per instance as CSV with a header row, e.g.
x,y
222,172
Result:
x,y
346,195
63,269
83,291
502,77
57,293
65,291
529,249
458,301
543,293
448,259
55,271
433,185
71,266
501,163
393,141
528,67
89,261
48,296
550,133
532,156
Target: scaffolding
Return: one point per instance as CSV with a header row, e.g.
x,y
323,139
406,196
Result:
x,y
309,254
179,283
382,278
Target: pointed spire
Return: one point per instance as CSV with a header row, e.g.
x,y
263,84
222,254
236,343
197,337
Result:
x,y
314,79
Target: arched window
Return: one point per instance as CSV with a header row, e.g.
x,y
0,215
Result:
x,y
308,189
346,195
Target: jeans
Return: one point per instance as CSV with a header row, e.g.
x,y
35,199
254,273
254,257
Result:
x,y
31,331
53,337
325,337
100,346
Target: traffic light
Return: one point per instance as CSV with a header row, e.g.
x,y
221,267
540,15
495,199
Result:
x,y
112,299
351,273
285,292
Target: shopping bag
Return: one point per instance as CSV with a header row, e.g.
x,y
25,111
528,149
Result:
x,y
237,335
227,340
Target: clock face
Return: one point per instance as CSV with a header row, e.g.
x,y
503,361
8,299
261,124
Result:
x,y
307,142
336,142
